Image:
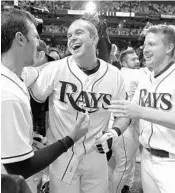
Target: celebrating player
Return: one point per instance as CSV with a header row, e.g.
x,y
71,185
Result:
x,y
75,83
154,105
126,146
19,43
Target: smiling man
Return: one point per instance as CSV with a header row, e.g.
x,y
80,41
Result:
x,y
75,84
154,106
129,59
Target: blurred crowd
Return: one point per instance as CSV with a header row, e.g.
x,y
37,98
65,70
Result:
x,y
139,6
118,6
146,7
62,29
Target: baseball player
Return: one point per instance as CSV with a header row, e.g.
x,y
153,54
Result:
x,y
154,105
19,43
125,147
75,83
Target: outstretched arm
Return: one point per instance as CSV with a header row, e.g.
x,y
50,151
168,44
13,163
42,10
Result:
x,y
127,109
44,157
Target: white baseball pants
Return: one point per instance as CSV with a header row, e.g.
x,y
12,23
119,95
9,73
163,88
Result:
x,y
124,150
91,176
158,174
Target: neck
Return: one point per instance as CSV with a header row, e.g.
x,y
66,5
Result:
x,y
86,63
12,62
160,67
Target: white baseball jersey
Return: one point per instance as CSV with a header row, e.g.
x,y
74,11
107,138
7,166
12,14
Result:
x,y
159,93
132,78
125,147
16,120
71,91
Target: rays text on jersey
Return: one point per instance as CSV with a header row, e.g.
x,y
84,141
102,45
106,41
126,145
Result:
x,y
155,100
81,100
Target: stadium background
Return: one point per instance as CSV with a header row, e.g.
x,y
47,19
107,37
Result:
x,y
125,19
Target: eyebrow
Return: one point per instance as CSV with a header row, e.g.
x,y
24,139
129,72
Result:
x,y
76,31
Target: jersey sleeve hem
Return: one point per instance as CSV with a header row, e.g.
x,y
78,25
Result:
x,y
35,98
17,158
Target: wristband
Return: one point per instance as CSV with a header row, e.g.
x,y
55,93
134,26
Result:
x,y
117,130
67,142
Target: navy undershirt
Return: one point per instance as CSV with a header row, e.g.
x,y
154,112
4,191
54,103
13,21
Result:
x,y
92,71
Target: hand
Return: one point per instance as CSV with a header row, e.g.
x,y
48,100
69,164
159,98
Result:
x,y
123,108
92,17
114,50
102,29
81,127
104,143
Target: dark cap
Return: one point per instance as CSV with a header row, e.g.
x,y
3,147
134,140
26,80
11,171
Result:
x,y
43,47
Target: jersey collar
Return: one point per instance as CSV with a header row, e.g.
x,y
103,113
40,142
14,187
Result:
x,y
14,78
80,74
165,69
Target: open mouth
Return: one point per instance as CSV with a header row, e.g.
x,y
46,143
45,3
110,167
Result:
x,y
76,47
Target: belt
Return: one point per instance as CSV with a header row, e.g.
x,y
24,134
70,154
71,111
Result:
x,y
158,152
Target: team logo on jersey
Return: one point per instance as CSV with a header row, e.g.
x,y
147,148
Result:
x,y
155,100
83,100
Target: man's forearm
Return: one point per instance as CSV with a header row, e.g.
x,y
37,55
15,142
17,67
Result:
x,y
166,119
121,123
41,159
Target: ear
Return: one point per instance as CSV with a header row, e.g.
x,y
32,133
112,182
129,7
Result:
x,y
124,64
95,39
20,39
170,48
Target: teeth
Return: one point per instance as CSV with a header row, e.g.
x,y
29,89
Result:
x,y
75,47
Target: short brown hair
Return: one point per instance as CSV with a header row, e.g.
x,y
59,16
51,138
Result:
x,y
13,21
124,53
91,27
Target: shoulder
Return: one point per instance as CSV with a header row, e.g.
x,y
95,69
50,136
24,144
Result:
x,y
29,75
10,93
8,96
109,67
11,100
54,65
14,98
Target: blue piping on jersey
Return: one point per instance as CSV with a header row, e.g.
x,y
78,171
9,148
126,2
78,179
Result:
x,y
33,96
68,164
36,77
149,140
100,77
78,112
15,83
